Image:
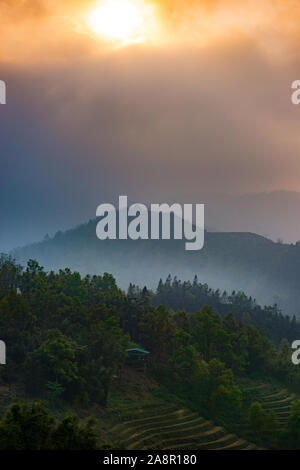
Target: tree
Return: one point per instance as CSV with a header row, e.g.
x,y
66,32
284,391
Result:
x,y
32,427
70,434
18,327
26,427
10,274
292,435
55,390
156,332
263,424
224,396
260,351
53,361
256,419
239,342
211,339
103,355
271,429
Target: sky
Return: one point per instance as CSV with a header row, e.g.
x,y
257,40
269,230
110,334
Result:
x,y
193,104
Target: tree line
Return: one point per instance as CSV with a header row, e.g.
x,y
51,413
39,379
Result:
x,y
67,335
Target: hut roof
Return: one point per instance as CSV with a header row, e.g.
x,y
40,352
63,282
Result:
x,y
137,351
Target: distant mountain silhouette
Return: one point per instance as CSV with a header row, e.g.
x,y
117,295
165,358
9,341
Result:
x,y
275,215
267,270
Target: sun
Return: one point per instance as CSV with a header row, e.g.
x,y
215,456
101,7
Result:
x,y
127,21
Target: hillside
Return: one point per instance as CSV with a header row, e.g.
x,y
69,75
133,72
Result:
x,y
263,269
157,420
141,414
205,381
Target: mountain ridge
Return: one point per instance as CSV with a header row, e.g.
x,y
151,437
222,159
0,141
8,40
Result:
x,y
243,261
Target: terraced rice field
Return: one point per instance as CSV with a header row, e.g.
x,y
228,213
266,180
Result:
x,y
274,399
161,427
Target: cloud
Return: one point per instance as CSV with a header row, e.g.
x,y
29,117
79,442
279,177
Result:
x,y
215,120
180,121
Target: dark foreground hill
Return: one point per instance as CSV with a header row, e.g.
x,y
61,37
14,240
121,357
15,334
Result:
x,y
241,261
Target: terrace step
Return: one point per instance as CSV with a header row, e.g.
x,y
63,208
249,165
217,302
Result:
x,y
173,429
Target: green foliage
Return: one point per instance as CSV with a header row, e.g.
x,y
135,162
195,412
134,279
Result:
x,y
211,338
26,427
192,297
68,336
70,434
54,361
61,329
291,436
32,427
263,424
19,330
257,419
55,390
104,355
10,273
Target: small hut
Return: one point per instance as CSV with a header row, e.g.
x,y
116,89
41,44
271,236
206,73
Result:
x,y
137,357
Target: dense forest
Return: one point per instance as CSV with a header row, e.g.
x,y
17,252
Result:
x,y
191,297
67,337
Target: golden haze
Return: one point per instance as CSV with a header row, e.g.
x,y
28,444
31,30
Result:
x,y
51,29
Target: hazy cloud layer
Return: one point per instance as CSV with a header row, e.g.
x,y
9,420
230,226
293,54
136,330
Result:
x,y
203,112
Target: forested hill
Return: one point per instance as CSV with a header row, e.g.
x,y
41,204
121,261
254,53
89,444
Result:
x,y
268,271
193,296
69,342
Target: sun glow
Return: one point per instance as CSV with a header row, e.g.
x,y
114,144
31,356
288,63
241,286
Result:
x,y
127,21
